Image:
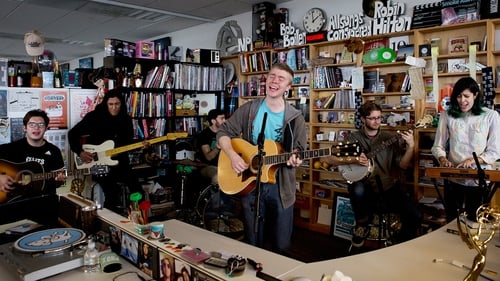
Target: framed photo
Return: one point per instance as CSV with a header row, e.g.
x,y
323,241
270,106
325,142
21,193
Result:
x,y
343,217
430,111
456,65
442,67
86,63
303,92
424,50
458,45
405,51
343,135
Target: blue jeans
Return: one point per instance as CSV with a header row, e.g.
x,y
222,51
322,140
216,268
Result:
x,y
274,221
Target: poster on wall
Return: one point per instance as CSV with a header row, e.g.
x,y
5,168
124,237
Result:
x,y
16,129
58,138
80,103
3,103
343,217
147,261
4,130
55,103
20,101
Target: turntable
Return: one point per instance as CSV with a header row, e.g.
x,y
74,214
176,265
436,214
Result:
x,y
44,253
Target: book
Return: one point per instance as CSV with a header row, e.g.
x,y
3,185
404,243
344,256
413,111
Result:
x,y
394,81
370,81
457,45
329,101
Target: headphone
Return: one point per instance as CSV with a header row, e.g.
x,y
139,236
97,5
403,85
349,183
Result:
x,y
235,265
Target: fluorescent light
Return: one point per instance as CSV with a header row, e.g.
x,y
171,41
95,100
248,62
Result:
x,y
119,4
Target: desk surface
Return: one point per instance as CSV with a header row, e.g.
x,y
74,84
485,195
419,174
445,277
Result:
x,y
207,241
412,260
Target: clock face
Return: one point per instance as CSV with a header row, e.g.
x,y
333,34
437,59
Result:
x,y
314,20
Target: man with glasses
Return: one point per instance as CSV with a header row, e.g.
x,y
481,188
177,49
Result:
x,y
381,185
32,153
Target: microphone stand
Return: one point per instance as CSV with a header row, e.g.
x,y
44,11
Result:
x,y
260,155
481,175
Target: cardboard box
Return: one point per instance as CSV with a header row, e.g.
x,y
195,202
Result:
x,y
145,50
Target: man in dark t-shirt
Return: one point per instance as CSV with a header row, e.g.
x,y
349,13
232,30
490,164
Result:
x,y
30,166
207,144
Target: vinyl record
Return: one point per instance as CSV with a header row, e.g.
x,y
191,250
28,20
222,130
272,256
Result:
x,y
371,57
386,55
49,240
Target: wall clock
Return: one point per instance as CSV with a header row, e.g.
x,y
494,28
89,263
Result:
x,y
314,20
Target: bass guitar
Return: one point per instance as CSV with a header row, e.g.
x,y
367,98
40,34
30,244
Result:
x,y
102,153
29,177
355,172
242,183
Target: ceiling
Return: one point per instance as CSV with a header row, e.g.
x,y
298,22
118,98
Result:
x,y
77,28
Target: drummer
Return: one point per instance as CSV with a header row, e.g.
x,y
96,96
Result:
x,y
207,144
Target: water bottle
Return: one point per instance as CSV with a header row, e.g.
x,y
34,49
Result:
x,y
91,258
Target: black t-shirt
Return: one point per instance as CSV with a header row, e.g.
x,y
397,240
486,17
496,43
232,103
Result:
x,y
207,137
21,155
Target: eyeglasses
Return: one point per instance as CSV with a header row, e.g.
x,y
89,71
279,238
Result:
x,y
374,118
35,125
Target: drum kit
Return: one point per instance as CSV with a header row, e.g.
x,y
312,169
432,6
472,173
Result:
x,y
213,210
220,212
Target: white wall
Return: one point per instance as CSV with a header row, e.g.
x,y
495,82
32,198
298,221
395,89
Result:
x,y
205,36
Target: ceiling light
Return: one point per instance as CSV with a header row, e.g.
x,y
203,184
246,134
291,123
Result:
x,y
119,4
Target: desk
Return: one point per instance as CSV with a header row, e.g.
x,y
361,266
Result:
x,y
196,237
412,260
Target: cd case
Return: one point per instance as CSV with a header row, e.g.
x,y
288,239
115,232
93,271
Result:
x,y
195,255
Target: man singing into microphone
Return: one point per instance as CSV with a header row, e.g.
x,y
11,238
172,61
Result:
x,y
283,124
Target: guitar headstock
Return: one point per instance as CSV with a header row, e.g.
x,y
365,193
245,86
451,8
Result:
x,y
346,149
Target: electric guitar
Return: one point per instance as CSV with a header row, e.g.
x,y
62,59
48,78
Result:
x,y
29,177
231,182
354,172
102,153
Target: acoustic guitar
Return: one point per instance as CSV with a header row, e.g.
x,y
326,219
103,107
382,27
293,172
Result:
x,y
231,182
102,153
29,177
354,172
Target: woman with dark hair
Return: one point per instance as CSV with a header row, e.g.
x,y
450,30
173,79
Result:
x,y
467,127
109,121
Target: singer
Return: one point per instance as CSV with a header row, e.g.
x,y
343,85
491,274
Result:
x,y
271,118
467,127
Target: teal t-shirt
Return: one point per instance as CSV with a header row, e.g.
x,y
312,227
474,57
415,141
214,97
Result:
x,y
274,124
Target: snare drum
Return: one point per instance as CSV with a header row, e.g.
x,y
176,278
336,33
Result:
x,y
219,212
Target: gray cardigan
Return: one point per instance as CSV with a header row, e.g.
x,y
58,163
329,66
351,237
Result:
x,y
294,136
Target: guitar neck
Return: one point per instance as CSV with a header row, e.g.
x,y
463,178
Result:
x,y
308,154
53,174
385,144
169,136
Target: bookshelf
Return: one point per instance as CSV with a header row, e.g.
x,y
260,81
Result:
x,y
331,108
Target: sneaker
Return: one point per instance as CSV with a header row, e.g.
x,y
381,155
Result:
x,y
359,235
